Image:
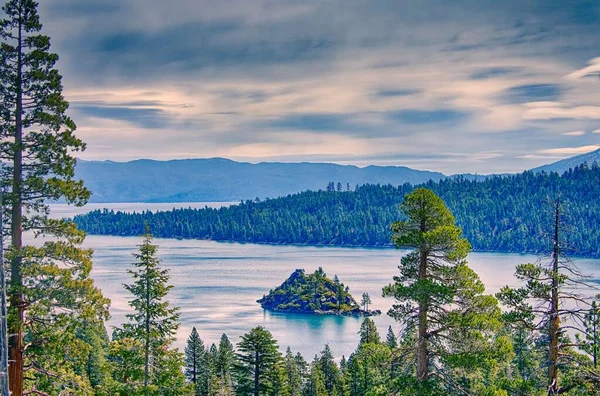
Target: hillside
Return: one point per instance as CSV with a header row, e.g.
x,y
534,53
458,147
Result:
x,y
218,179
570,163
506,214
314,294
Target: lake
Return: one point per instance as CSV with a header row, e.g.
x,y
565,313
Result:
x,y
216,285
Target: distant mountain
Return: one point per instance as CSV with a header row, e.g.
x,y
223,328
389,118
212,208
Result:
x,y
219,179
569,163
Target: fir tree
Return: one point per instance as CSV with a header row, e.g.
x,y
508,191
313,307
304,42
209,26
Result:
x,y
294,371
368,333
330,370
225,361
154,322
315,385
391,339
196,365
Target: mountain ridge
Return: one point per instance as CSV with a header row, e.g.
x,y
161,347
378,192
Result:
x,y
219,179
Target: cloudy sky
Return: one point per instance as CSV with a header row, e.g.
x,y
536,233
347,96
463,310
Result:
x,y
451,85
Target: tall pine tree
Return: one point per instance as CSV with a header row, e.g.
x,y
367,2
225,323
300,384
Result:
x,y
437,294
51,294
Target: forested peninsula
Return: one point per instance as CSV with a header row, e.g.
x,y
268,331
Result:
x,y
500,213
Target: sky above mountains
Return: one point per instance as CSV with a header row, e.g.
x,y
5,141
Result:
x,y
452,86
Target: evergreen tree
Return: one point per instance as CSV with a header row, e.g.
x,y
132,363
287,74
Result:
x,y
547,290
196,365
330,370
153,322
225,361
258,355
50,293
437,294
365,301
391,339
294,370
368,333
315,385
591,342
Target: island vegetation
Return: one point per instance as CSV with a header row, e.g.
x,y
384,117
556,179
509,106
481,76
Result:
x,y
315,294
500,213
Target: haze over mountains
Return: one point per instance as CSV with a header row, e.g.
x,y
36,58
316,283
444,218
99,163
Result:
x,y
219,179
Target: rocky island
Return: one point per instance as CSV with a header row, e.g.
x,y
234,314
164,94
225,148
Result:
x,y
315,294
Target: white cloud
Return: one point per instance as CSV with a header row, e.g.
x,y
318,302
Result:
x,y
592,70
596,131
574,133
553,112
570,150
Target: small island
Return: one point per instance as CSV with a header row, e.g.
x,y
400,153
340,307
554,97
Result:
x,y
315,294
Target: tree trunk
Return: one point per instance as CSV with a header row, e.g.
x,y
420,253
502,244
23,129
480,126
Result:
x,y
422,353
256,374
147,329
15,372
554,316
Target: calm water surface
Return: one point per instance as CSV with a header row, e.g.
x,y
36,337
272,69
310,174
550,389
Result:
x,y
216,285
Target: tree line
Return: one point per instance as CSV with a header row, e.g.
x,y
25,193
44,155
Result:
x,y
500,213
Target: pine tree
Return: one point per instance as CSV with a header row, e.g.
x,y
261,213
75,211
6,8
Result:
x,y
541,304
258,355
391,339
592,332
437,294
315,385
50,282
196,365
365,301
330,370
225,361
293,369
154,322
368,333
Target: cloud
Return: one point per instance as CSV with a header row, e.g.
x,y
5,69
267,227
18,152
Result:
x,y
252,78
596,131
574,133
570,150
563,112
593,70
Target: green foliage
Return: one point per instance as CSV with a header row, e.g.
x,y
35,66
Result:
x,y
391,340
258,355
52,297
500,213
314,293
368,333
437,295
153,324
196,364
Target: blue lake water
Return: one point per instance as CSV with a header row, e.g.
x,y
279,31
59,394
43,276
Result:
x,y
216,285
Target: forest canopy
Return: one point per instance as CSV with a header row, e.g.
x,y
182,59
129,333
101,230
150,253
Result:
x,y
500,213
